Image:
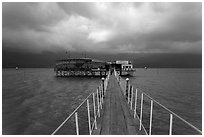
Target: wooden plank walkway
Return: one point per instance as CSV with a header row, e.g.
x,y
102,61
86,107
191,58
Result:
x,y
116,116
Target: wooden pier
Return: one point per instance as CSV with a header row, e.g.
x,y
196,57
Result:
x,y
110,110
116,117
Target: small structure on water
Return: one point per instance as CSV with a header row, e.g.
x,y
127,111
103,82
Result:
x,y
81,67
123,67
91,67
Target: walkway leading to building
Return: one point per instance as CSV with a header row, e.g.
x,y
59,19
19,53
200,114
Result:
x,y
116,117
112,110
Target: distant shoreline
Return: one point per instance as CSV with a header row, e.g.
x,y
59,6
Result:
x,y
135,68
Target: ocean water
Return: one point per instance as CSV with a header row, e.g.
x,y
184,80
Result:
x,y
180,90
41,103
34,101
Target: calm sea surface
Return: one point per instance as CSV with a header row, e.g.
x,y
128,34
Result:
x,y
43,101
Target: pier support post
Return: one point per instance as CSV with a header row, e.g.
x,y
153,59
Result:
x,y
127,86
131,98
141,112
170,125
98,102
130,87
94,107
150,121
135,111
103,89
77,124
89,117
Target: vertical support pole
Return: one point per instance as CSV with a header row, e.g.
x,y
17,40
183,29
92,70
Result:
x,y
99,89
129,94
141,111
98,103
100,98
89,119
127,86
77,124
135,111
170,126
103,85
94,107
106,84
150,121
131,98
100,94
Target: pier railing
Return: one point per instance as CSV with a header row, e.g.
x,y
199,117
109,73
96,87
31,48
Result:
x,y
94,103
132,96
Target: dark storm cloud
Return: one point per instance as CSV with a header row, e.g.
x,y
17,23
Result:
x,y
30,15
104,27
172,29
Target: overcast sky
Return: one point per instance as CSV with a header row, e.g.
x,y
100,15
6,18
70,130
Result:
x,y
103,27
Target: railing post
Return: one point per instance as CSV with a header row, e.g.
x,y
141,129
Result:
x,y
77,124
103,85
150,121
97,94
94,106
130,87
170,126
107,79
106,85
100,95
135,111
89,119
127,86
141,111
131,98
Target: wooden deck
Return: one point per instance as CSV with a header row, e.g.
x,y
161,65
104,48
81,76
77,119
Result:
x,y
116,116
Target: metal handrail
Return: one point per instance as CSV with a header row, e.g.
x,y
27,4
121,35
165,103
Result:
x,y
101,91
130,99
174,114
57,129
